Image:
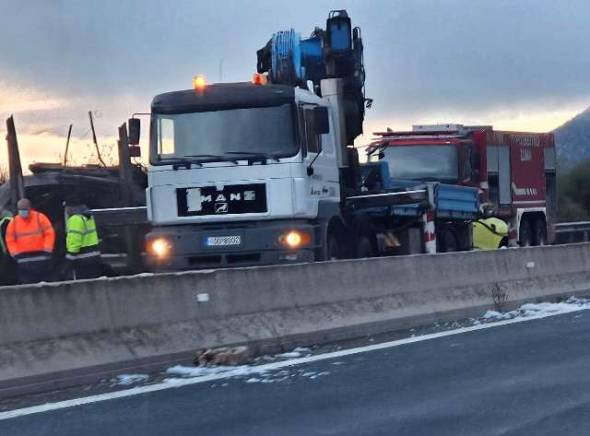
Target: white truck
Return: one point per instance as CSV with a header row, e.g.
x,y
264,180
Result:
x,y
260,173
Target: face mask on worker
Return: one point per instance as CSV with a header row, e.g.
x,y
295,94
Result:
x,y
23,213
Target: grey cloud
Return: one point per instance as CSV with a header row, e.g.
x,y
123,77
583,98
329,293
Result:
x,y
421,56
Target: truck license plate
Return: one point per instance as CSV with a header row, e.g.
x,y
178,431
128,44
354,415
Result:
x,y
223,241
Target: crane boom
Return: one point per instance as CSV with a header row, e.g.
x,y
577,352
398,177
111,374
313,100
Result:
x,y
333,52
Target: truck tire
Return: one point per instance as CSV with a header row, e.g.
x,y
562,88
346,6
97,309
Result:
x,y
364,248
525,235
540,232
333,249
448,241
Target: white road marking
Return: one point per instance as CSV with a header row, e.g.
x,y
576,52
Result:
x,y
176,383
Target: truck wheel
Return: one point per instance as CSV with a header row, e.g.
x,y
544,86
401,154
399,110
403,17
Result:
x,y
333,248
364,248
525,234
448,242
540,236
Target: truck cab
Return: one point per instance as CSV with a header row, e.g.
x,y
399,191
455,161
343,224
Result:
x,y
445,161
240,174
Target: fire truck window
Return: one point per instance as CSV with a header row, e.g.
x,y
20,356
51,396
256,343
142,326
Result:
x,y
467,170
551,193
494,191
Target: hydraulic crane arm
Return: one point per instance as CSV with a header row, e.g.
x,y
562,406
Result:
x,y
336,52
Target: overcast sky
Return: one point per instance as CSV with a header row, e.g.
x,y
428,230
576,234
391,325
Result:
x,y
516,64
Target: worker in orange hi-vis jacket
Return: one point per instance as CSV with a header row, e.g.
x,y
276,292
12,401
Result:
x,y
30,240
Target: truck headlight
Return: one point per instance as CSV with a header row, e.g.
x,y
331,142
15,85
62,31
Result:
x,y
160,247
295,239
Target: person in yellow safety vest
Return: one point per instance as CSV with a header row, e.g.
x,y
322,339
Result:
x,y
5,218
7,267
490,233
82,243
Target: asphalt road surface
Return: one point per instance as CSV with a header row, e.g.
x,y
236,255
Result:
x,y
530,378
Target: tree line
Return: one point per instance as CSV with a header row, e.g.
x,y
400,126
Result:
x,y
573,192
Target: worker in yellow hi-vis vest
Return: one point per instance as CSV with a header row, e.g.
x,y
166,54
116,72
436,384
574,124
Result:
x,y
7,265
82,243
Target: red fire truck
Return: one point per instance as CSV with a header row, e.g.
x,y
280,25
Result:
x,y
514,171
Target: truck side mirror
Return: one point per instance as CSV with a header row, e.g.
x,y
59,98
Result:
x,y
134,127
321,121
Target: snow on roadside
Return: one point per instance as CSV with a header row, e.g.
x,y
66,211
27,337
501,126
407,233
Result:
x,y
297,352
257,373
200,371
572,304
250,373
241,370
131,379
286,375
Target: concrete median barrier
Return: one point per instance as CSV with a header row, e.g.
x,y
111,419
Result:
x,y
52,332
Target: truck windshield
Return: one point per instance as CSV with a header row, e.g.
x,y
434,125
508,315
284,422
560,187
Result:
x,y
225,134
422,162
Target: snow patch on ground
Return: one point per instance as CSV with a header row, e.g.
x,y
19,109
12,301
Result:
x,y
198,371
286,375
289,355
257,373
572,304
131,379
297,352
248,373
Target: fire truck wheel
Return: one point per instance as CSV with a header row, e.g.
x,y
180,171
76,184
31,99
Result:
x,y
525,234
364,248
540,232
448,243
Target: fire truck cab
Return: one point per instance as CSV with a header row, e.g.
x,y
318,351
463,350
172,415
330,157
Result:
x,y
514,171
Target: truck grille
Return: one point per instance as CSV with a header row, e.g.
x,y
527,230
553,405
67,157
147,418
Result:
x,y
232,199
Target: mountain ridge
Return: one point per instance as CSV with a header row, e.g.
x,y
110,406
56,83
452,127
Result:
x,y
572,139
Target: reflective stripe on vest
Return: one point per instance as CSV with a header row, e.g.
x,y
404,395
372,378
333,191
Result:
x,y
83,255
38,231
32,259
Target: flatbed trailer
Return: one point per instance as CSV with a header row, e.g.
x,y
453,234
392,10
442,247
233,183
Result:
x,y
408,217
